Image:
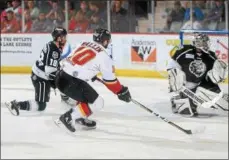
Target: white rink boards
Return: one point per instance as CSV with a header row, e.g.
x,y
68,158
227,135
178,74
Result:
x,y
123,130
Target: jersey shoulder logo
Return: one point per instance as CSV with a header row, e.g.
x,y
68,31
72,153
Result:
x,y
197,67
55,55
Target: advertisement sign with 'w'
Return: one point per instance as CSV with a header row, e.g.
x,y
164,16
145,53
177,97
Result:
x,y
143,51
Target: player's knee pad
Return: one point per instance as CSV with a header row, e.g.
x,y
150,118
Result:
x,y
181,105
41,106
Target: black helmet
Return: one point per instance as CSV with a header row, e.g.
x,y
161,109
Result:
x,y
100,35
57,32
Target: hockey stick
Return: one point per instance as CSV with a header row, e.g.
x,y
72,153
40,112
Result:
x,y
187,131
198,100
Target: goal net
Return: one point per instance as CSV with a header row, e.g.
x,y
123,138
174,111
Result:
x,y
218,41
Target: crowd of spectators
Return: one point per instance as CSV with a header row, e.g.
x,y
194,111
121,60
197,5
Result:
x,y
85,16
208,15
43,16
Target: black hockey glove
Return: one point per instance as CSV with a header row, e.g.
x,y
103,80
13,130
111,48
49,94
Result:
x,y
94,78
124,94
52,77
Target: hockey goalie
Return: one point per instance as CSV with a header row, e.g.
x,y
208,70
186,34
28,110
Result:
x,y
199,70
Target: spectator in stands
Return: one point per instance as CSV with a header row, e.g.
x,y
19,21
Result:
x,y
85,10
124,4
56,14
119,21
96,22
217,13
8,6
34,11
28,21
196,11
176,15
42,24
71,10
17,8
195,24
55,8
78,23
10,24
94,8
46,6
201,4
59,19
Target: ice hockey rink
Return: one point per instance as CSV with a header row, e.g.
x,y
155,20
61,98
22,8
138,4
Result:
x,y
124,130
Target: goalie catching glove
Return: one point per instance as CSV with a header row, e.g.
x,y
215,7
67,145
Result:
x,y
219,72
124,94
177,79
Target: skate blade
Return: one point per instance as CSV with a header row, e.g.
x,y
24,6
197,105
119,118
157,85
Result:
x,y
82,127
78,128
60,124
64,129
11,111
85,128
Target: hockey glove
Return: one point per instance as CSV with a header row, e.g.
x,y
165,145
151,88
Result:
x,y
94,78
52,77
124,94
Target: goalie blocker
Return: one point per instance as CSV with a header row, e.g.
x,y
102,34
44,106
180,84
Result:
x,y
198,69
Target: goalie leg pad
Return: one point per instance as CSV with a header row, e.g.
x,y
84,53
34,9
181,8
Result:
x,y
176,79
182,106
208,95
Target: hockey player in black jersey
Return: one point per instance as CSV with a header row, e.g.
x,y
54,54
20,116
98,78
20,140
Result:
x,y
43,74
197,68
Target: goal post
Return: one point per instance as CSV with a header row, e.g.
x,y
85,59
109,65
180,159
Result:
x,y
218,41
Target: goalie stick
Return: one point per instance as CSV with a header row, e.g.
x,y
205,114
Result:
x,y
187,131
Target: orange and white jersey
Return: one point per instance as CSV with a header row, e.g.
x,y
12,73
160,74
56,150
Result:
x,y
87,61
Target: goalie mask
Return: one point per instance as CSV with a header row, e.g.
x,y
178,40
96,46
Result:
x,y
201,41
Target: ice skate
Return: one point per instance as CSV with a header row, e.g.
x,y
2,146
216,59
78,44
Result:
x,y
66,119
13,107
88,124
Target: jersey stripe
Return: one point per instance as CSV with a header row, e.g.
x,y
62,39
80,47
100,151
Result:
x,y
113,85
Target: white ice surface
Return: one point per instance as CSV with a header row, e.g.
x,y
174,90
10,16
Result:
x,y
123,130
